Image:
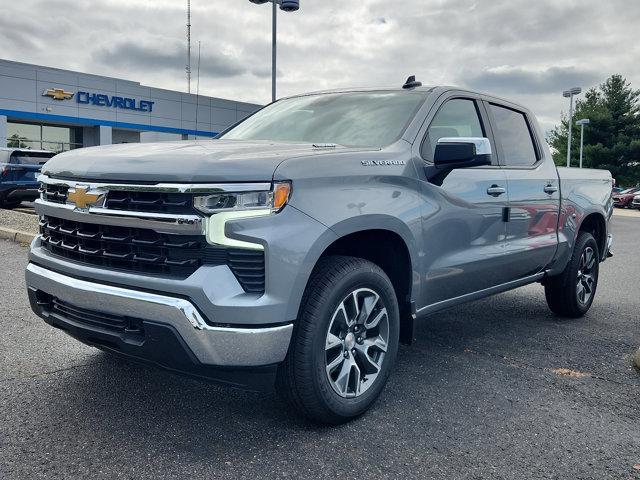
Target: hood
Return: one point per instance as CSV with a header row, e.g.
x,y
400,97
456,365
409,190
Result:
x,y
181,162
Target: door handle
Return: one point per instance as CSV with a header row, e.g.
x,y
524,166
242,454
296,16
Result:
x,y
496,190
550,189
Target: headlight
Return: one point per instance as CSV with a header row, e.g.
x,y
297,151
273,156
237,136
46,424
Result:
x,y
270,201
224,206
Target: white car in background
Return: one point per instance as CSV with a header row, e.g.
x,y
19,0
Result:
x,y
635,203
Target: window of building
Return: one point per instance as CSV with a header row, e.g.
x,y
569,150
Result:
x,y
515,137
43,137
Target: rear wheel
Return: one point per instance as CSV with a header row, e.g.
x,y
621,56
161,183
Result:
x,y
571,293
344,342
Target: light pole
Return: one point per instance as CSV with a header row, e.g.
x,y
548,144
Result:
x,y
570,93
582,123
287,6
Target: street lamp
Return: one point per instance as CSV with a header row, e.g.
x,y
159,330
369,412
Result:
x,y
582,123
569,94
287,6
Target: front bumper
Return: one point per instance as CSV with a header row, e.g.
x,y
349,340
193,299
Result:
x,y
206,345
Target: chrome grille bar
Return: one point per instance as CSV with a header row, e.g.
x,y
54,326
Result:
x,y
158,222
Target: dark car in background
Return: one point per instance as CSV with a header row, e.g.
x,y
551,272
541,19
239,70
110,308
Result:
x,y
19,168
625,197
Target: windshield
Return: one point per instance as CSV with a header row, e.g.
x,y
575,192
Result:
x,y
354,119
630,190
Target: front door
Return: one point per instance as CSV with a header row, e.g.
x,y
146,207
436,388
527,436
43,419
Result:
x,y
463,225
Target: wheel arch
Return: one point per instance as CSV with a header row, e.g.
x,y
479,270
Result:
x,y
391,249
596,225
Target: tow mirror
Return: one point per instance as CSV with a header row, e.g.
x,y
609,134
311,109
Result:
x,y
462,152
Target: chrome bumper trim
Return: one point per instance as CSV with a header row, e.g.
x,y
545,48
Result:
x,y
221,346
159,222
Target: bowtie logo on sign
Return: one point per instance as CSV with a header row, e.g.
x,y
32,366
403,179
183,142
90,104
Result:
x,y
57,94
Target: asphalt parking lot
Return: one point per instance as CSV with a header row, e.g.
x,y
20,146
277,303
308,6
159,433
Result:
x,y
476,396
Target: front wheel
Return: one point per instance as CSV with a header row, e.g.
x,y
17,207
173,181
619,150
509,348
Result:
x,y
8,205
571,293
344,342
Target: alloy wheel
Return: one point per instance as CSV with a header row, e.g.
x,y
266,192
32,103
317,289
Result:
x,y
586,280
356,342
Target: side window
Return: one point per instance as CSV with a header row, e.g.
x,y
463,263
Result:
x,y
512,132
456,118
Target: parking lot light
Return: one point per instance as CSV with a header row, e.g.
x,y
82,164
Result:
x,y
285,6
569,94
582,123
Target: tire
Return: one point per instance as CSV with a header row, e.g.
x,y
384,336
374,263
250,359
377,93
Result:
x,y
309,378
9,205
562,291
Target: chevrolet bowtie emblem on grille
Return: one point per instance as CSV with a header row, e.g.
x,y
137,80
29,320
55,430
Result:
x,y
83,198
57,94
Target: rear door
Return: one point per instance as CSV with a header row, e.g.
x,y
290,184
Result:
x,y
533,191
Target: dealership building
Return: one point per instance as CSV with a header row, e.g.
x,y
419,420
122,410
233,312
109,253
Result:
x,y
53,109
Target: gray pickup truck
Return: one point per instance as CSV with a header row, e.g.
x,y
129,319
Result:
x,y
298,248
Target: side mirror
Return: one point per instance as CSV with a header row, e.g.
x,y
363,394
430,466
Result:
x,y
462,152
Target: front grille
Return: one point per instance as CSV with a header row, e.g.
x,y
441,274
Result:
x,y
132,249
146,251
55,192
92,318
154,202
132,201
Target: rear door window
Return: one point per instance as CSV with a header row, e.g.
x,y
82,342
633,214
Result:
x,y
514,135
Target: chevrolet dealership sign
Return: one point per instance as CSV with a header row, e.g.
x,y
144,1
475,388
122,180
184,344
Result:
x,y
101,100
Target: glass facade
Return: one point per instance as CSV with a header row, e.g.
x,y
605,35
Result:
x,y
43,137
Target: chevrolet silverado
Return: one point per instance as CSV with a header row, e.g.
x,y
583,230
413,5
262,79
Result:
x,y
298,248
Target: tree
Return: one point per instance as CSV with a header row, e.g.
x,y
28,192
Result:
x,y
612,139
16,141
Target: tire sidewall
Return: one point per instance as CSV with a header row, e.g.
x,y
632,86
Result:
x,y
585,240
359,278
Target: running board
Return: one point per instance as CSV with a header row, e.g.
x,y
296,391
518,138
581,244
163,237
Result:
x,y
487,292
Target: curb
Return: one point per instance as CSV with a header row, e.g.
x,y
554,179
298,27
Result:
x,y
16,235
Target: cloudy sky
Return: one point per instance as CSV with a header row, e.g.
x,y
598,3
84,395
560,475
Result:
x,y
527,50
